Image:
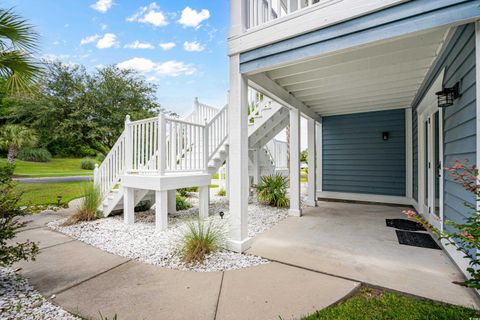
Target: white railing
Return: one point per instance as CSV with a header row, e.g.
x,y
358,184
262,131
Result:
x,y
279,152
112,168
143,142
201,113
186,146
217,130
262,11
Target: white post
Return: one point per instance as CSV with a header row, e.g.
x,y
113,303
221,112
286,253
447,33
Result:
x,y
204,195
409,154
319,157
95,176
161,210
477,71
205,147
128,145
128,205
162,150
172,201
238,17
238,157
295,209
256,166
312,165
227,177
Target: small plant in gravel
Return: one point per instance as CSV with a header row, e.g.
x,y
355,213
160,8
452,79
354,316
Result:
x,y
222,193
10,212
273,191
200,239
88,210
185,192
182,203
464,235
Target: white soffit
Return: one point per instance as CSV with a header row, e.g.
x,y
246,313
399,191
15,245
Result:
x,y
374,78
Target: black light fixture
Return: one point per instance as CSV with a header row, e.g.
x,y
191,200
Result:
x,y
447,96
221,214
385,135
59,199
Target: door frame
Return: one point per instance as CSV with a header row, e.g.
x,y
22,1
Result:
x,y
426,109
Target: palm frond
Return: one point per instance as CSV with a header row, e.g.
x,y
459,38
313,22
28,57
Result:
x,y
17,31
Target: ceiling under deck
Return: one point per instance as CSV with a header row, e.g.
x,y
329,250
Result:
x,y
378,77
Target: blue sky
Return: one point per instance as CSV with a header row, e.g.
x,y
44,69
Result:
x,y
179,45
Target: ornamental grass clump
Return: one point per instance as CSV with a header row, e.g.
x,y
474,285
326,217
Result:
x,y
464,235
88,210
182,203
273,191
200,239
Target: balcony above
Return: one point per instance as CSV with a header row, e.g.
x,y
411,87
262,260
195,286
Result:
x,y
256,23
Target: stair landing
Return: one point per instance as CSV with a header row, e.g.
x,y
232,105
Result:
x,y
168,181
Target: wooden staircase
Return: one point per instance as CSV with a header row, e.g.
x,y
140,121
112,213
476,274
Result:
x,y
166,154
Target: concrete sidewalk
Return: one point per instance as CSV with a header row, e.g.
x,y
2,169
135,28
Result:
x,y
53,179
86,281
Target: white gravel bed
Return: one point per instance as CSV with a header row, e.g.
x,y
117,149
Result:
x,y
20,301
142,242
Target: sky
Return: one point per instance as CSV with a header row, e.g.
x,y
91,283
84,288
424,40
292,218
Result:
x,y
180,45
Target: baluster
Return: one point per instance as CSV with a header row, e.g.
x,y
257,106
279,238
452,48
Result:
x,y
269,8
299,4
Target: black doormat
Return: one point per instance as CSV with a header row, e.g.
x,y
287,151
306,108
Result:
x,y
416,239
404,224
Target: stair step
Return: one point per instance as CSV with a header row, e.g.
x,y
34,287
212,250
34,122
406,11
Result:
x,y
258,116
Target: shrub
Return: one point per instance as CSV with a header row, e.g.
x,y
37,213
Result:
x,y
92,197
88,164
35,155
10,211
100,157
222,192
182,203
200,239
184,192
273,191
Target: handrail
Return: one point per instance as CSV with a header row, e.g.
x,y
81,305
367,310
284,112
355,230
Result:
x,y
217,130
108,174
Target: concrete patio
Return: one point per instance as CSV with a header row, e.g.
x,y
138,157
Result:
x,y
86,281
352,241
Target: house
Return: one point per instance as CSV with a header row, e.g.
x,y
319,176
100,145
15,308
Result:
x,y
365,74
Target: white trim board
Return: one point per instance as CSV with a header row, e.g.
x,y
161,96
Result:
x,y
364,197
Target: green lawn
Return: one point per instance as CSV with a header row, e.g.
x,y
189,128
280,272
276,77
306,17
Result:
x,y
54,168
370,304
46,193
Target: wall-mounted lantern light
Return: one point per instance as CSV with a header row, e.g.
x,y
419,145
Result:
x,y
385,135
448,95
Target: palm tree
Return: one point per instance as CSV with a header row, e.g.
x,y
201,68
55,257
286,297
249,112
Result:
x,y
14,137
18,42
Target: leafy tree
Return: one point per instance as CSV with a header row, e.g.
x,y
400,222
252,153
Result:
x,y
77,113
304,156
18,41
10,212
14,137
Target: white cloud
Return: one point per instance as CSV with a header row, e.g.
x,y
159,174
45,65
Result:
x,y
192,18
193,46
102,5
89,39
151,15
169,68
139,45
109,40
167,45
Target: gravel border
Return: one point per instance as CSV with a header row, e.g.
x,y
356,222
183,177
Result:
x,y
19,300
142,242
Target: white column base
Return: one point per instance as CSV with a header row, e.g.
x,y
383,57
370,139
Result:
x,y
239,246
172,201
129,205
295,212
311,203
161,210
204,195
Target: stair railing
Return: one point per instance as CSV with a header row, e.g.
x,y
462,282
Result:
x,y
201,113
217,130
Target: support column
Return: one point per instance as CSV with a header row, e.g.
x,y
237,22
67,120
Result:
x,y
227,177
204,195
319,159
295,163
312,165
161,210
172,201
128,205
238,157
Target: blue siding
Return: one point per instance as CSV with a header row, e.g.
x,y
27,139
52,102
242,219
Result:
x,y
459,121
357,159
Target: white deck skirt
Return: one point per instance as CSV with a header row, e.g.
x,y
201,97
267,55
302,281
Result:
x,y
377,77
